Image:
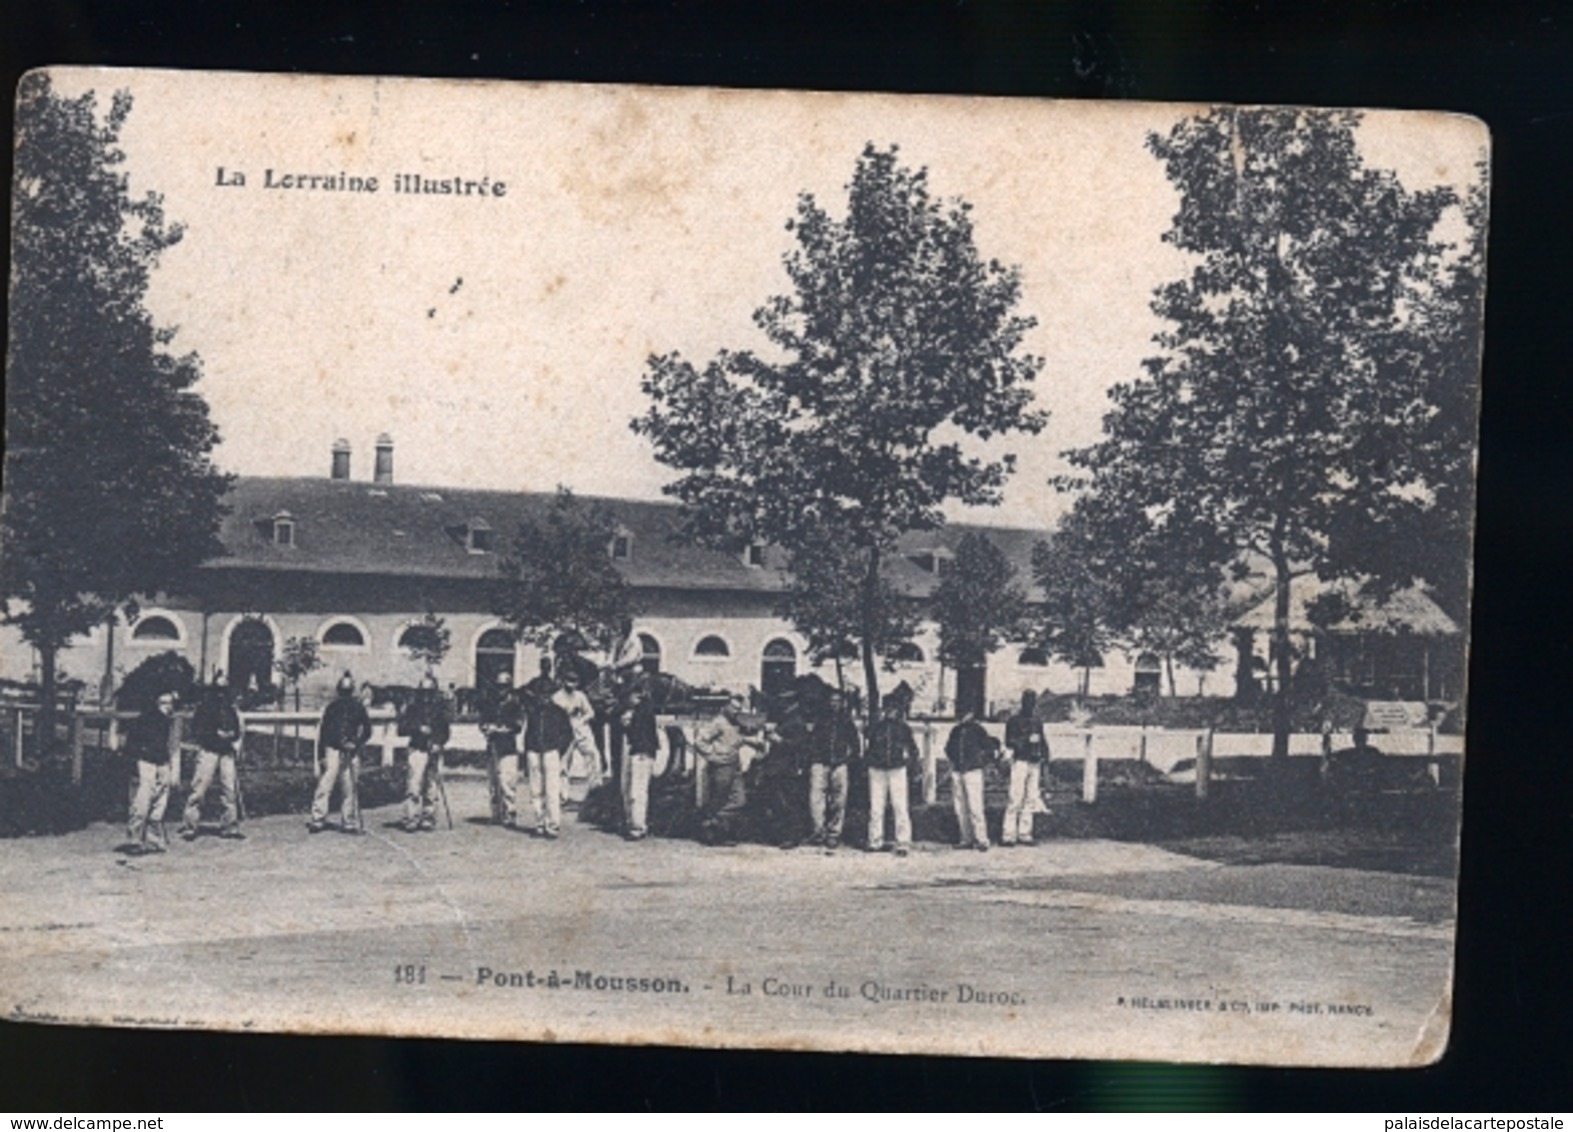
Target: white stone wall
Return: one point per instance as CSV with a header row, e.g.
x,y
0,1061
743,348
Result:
x,y
678,623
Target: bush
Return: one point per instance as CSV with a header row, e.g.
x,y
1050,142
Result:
x,y
158,674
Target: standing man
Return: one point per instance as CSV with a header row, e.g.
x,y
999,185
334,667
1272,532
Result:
x,y
782,798
832,745
968,750
639,726
344,730
584,757
501,720
425,724
891,751
1028,749
719,744
216,729
548,732
148,741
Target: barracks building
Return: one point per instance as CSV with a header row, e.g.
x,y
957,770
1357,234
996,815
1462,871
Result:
x,y
354,564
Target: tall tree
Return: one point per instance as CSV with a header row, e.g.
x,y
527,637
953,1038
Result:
x,y
824,601
978,604
898,345
1077,614
1285,410
560,578
110,491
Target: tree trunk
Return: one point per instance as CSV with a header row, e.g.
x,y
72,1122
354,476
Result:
x,y
870,676
44,735
1283,660
1168,664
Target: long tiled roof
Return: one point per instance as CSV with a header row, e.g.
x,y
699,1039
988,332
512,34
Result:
x,y
353,527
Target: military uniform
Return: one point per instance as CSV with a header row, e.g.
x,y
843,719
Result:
x,y
216,729
344,730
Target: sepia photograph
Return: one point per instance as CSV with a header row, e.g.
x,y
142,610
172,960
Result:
x,y
738,569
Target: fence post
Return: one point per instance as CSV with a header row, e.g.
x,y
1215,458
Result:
x,y
78,739
21,721
1204,762
1433,765
1089,769
1144,743
387,738
930,767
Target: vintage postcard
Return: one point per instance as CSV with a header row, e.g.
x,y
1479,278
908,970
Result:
x,y
737,568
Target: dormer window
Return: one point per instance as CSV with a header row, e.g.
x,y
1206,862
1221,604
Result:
x,y
936,562
754,555
478,538
283,529
622,546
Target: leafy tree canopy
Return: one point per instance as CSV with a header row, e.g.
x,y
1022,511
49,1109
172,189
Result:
x,y
978,604
897,343
110,491
824,600
1291,414
428,640
560,577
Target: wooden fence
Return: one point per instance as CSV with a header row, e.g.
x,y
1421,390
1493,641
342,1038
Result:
x,y
1163,749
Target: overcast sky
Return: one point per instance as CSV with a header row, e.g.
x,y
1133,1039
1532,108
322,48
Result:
x,y
501,340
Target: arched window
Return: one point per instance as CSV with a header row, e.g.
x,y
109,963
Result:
x,y
778,667
1033,658
156,627
908,653
712,648
343,635
650,653
494,653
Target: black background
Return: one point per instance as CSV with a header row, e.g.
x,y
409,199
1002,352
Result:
x,y
1511,65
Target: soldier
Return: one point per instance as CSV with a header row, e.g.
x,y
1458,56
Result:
x,y
783,800
501,720
548,734
583,757
720,744
216,729
968,751
890,752
833,744
1028,753
425,724
344,729
639,725
148,741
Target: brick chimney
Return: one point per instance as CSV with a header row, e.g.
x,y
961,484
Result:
x,y
383,471
341,459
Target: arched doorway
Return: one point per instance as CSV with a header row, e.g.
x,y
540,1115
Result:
x,y
778,667
494,653
649,654
249,664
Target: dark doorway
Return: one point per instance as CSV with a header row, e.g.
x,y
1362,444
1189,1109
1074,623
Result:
x,y
778,669
250,660
494,653
970,690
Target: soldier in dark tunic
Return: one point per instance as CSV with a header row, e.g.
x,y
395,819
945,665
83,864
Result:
x,y
502,717
344,730
216,729
425,724
148,742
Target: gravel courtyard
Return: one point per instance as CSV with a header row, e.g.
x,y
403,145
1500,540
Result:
x,y
1084,948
